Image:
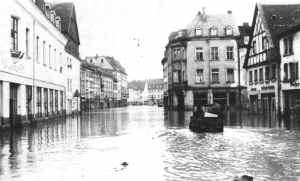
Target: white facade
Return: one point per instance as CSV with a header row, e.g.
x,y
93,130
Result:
x,y
36,66
290,56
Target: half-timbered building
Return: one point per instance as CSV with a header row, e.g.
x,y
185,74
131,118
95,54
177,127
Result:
x,y
263,60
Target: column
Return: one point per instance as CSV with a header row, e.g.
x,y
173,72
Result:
x,y
189,100
175,100
227,99
43,102
22,103
5,103
210,96
59,106
34,102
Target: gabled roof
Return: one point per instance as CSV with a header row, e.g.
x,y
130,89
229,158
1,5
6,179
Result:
x,y
67,13
281,17
277,19
116,64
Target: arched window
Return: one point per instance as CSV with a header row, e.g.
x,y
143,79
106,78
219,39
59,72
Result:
x,y
228,31
198,32
213,31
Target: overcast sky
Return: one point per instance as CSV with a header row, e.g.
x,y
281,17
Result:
x,y
112,27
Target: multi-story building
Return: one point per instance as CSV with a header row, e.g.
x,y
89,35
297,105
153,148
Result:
x,y
135,96
290,57
202,62
112,65
263,59
67,14
97,86
32,66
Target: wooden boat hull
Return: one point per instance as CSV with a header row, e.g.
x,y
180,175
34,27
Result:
x,y
206,124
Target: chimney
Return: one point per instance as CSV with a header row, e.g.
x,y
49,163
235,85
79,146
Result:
x,y
229,12
246,24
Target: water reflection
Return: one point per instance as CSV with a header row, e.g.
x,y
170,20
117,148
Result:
x,y
156,143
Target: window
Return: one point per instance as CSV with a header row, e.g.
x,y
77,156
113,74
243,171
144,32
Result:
x,y
37,49
14,33
213,31
54,59
246,40
49,56
273,73
228,31
175,77
265,44
294,71
261,75
199,76
288,46
214,53
255,76
198,31
250,77
254,47
27,42
229,53
215,75
44,53
267,73
199,54
230,76
286,72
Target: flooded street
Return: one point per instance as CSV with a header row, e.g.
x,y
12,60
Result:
x,y
157,145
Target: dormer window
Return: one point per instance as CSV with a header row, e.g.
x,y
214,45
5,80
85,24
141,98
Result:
x,y
198,31
246,40
213,31
228,31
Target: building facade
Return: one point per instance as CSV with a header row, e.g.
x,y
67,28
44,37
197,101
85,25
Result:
x,y
289,41
67,14
264,57
201,62
112,65
32,67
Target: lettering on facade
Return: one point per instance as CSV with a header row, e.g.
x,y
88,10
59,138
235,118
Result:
x,y
271,87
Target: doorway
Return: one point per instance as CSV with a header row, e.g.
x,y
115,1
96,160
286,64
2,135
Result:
x,y
13,104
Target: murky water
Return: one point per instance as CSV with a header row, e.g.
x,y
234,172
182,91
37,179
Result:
x,y
157,145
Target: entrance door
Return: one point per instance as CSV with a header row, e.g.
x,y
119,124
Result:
x,y
13,104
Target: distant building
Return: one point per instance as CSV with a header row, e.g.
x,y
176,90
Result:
x,y
120,84
146,92
97,87
201,62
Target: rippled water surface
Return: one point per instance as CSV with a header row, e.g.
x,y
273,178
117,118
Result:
x,y
156,144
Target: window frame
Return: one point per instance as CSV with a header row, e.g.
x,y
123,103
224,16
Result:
x,y
199,77
14,34
215,71
230,53
214,53
199,51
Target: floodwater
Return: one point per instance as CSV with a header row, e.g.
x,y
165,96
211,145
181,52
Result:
x,y
156,145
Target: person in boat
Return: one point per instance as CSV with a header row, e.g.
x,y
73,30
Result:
x,y
199,112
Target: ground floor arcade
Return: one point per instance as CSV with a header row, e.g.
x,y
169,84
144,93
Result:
x,y
22,103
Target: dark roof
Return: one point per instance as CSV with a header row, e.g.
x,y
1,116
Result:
x,y
67,13
116,64
281,17
97,69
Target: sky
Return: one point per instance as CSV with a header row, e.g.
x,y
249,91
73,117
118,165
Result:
x,y
136,32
